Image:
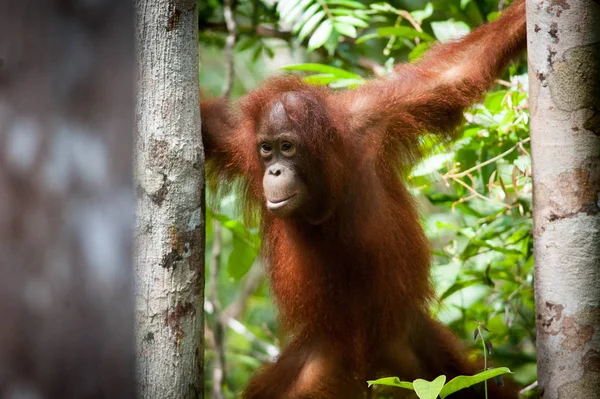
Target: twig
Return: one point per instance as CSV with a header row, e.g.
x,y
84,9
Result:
x,y
370,65
476,194
406,15
489,161
249,287
326,9
528,388
218,330
228,10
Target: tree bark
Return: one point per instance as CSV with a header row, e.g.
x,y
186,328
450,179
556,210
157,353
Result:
x,y
564,78
66,199
169,174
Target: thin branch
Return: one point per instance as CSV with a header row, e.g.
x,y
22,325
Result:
x,y
489,161
406,15
326,9
476,194
218,330
228,11
528,388
250,285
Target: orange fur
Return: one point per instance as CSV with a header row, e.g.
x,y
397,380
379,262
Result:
x,y
352,290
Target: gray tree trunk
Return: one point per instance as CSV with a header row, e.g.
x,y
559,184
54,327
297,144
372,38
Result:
x,y
66,199
169,181
564,78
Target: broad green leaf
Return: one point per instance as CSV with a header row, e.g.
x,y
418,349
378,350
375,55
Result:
x,y
321,68
241,259
352,21
420,15
493,101
238,229
347,3
403,31
464,3
449,30
463,381
429,389
311,24
345,29
392,382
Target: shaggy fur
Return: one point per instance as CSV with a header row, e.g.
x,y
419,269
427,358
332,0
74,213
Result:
x,y
352,291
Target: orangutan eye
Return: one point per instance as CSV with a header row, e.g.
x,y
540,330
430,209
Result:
x,y
288,148
265,149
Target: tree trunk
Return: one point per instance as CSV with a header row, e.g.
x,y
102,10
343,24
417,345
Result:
x,y
66,199
564,78
169,173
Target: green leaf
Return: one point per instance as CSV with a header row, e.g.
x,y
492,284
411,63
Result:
x,y
403,31
463,381
320,79
238,230
459,285
241,259
320,36
420,15
347,3
493,101
246,43
429,390
464,3
366,37
352,21
342,83
449,30
311,24
284,6
416,53
345,29
522,162
383,7
494,15
305,17
291,14
321,68
392,382
502,250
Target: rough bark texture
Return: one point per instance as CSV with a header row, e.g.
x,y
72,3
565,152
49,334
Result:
x,y
564,76
169,172
66,199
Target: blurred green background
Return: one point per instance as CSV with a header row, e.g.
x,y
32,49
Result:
x,y
474,194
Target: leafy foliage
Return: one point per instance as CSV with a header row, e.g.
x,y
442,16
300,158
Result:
x,y
475,194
